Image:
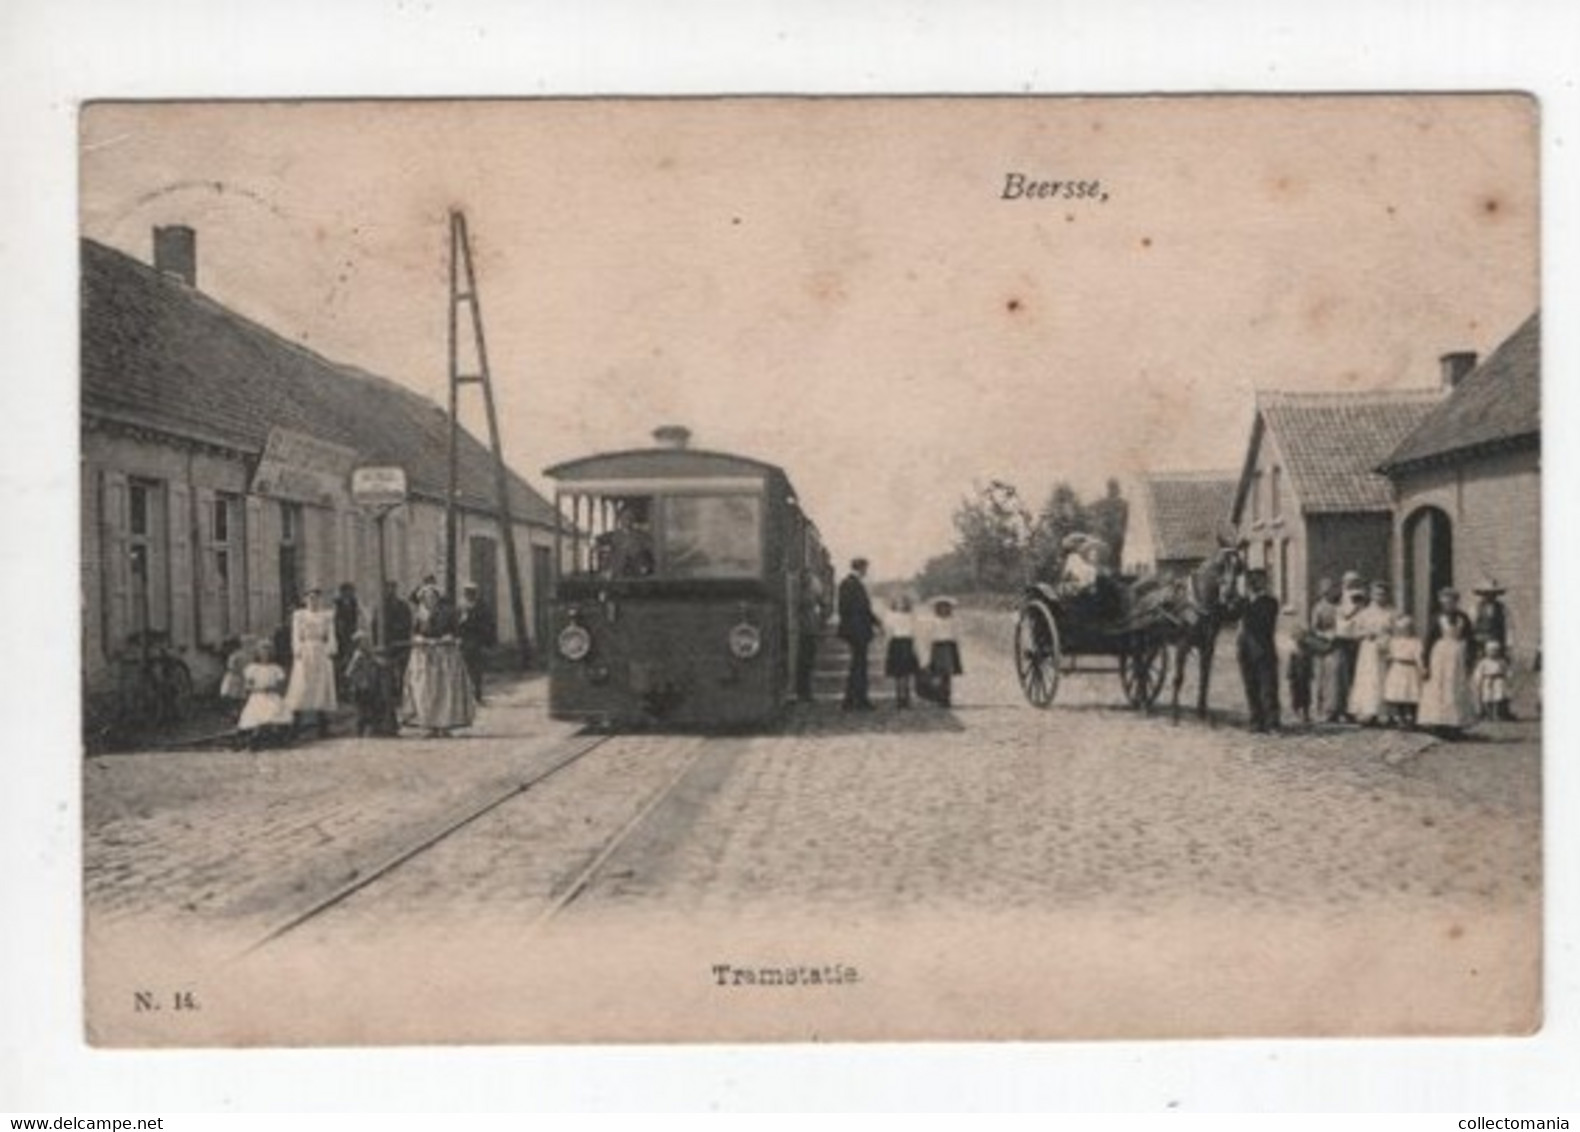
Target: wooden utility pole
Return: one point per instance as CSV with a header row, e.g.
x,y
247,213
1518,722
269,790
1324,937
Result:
x,y
463,292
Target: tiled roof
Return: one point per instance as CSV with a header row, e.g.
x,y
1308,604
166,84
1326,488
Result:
x,y
158,353
1333,442
1187,510
1497,403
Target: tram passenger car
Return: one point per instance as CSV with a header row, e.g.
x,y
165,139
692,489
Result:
x,y
683,586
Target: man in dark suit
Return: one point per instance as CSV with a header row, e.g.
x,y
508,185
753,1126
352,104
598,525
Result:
x,y
475,627
1258,654
394,630
857,626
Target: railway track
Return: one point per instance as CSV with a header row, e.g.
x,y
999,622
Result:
x,y
562,894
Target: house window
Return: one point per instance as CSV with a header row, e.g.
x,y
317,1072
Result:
x,y
1283,570
224,520
1256,497
290,558
147,547
1277,484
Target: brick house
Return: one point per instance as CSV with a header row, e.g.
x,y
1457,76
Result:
x,y
1175,523
1467,488
215,467
1309,500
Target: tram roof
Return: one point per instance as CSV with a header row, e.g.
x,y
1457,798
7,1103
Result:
x,y
667,464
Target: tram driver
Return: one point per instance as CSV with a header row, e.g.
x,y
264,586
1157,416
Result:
x,y
627,551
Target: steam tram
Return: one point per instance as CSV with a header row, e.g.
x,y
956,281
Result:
x,y
687,583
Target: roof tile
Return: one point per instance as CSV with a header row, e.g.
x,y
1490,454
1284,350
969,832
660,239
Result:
x,y
1187,510
157,351
1499,401
1332,442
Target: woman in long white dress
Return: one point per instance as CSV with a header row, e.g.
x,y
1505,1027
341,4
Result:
x,y
1447,704
312,687
1372,626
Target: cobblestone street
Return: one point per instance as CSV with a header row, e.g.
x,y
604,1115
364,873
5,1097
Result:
x,y
1144,859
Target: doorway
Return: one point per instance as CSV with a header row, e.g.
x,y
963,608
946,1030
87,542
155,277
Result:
x,y
1428,562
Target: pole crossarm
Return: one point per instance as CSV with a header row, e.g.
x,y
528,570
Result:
x,y
466,294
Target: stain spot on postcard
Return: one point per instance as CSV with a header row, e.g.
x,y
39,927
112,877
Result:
x,y
827,287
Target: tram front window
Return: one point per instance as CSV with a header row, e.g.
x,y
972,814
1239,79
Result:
x,y
676,536
711,536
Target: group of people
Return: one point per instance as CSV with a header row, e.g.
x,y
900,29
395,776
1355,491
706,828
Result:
x,y
859,624
1359,660
425,671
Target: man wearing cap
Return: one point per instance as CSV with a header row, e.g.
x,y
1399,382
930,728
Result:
x,y
857,626
1257,651
475,628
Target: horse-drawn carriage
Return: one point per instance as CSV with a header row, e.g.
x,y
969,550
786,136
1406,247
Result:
x,y
1130,624
1059,627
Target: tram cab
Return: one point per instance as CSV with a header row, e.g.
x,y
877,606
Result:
x,y
680,573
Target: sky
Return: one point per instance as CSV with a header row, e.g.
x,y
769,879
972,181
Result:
x,y
839,286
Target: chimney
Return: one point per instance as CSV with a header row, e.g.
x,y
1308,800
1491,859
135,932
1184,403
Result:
x,y
1457,366
175,252
672,436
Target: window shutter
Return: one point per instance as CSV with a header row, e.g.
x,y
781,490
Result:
x,y
253,544
181,581
203,560
92,577
116,563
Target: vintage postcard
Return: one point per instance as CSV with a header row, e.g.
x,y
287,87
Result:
x,y
792,569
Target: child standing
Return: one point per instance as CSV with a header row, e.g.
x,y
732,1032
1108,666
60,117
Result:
x,y
943,661
1299,670
264,718
1491,681
900,663
369,679
233,685
1402,685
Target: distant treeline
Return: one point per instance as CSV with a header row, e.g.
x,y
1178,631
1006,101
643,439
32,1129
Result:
x,y
1001,544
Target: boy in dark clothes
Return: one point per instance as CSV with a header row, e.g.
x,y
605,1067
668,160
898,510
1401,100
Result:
x,y
370,679
1301,669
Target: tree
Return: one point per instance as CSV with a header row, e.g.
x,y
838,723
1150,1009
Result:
x,y
1061,516
993,530
945,574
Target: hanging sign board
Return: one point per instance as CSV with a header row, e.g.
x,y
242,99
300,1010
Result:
x,y
378,487
303,469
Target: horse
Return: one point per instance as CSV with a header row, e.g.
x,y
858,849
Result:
x,y
1197,606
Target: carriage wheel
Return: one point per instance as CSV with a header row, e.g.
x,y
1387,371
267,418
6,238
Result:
x,y
1037,654
1142,671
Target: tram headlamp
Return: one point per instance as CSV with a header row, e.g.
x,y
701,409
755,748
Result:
x,y
575,642
746,641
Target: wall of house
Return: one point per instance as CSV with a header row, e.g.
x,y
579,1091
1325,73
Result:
x,y
1340,543
1494,508
1140,549
1271,522
158,554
